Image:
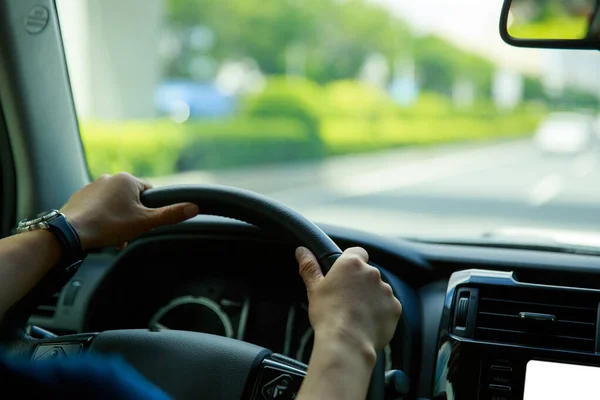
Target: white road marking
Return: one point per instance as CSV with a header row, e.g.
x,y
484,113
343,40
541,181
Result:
x,y
545,190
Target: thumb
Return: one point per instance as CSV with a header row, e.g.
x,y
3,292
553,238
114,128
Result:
x,y
309,267
172,214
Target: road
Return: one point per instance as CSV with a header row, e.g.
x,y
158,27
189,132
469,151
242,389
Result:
x,y
458,190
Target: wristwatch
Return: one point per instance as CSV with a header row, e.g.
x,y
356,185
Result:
x,y
55,222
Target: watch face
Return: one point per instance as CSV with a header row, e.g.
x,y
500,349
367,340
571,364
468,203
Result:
x,y
38,222
43,214
46,215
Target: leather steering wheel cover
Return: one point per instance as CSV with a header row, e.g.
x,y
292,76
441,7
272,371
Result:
x,y
185,364
250,207
262,212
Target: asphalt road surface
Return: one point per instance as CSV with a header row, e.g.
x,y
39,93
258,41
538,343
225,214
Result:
x,y
459,190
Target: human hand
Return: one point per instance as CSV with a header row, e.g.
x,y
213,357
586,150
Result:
x,y
108,212
352,302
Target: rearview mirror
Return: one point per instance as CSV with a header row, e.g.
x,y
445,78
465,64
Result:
x,y
561,24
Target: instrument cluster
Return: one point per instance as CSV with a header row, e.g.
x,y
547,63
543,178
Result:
x,y
230,309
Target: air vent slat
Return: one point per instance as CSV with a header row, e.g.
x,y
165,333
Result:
x,y
529,333
537,304
500,317
576,322
47,308
498,314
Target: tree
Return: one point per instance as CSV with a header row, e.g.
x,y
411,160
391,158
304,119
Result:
x,y
335,36
439,63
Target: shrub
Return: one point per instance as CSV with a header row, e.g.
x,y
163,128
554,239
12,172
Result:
x,y
161,147
214,145
428,105
290,98
142,148
343,135
295,119
355,99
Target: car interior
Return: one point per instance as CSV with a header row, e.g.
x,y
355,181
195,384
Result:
x,y
214,307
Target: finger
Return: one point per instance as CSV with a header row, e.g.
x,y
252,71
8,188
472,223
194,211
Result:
x,y
397,307
358,251
309,267
102,177
122,246
143,184
172,214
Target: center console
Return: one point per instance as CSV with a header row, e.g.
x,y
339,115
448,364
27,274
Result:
x,y
502,339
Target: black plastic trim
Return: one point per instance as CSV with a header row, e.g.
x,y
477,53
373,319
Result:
x,y
469,351
410,323
456,257
8,200
597,349
572,44
38,110
427,276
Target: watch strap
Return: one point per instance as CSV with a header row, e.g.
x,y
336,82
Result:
x,y
72,254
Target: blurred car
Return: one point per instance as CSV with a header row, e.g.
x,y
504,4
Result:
x,y
183,99
565,133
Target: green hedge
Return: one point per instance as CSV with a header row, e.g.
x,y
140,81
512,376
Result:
x,y
352,99
295,119
155,148
291,98
226,144
343,135
161,147
142,148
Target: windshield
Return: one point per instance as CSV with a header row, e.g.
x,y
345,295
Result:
x,y
400,117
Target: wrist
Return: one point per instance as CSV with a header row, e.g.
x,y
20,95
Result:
x,y
344,341
47,241
337,368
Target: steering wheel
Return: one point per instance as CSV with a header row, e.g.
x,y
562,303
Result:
x,y
191,364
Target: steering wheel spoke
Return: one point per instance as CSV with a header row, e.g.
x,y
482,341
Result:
x,y
279,377
61,347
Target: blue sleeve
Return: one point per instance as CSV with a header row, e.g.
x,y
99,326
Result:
x,y
89,377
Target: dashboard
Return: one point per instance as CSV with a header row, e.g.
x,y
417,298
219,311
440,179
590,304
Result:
x,y
230,308
523,340
478,322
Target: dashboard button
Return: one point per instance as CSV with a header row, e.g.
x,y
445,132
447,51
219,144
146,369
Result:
x,y
71,292
505,368
53,351
500,361
279,388
499,397
501,379
503,388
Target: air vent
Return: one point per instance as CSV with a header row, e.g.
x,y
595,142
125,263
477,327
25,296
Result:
x,y
47,307
551,319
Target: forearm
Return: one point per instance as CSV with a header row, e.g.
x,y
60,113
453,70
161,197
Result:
x,y
24,260
337,370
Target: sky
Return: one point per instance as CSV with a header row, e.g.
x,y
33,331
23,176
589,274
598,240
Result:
x,y
471,24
